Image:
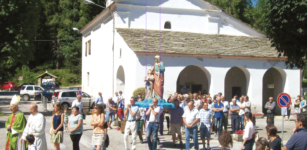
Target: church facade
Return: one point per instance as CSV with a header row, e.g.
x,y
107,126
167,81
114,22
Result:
x,y
201,47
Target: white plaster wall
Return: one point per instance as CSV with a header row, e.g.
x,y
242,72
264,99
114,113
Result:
x,y
183,4
128,61
98,63
185,19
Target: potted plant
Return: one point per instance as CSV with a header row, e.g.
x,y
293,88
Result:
x,y
238,135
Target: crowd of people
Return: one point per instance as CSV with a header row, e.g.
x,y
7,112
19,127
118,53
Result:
x,y
193,115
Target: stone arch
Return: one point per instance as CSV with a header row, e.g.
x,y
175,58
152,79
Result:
x,y
236,82
194,78
273,83
120,79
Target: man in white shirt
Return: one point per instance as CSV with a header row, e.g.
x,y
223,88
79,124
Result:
x,y
197,102
78,103
225,112
247,104
190,119
152,129
36,126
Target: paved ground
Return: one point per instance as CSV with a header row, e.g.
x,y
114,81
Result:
x,y
116,137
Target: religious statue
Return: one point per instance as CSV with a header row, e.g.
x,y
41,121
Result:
x,y
149,81
158,72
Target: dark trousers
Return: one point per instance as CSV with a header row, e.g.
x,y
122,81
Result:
x,y
249,144
225,120
138,131
270,118
167,121
161,123
75,138
235,122
218,124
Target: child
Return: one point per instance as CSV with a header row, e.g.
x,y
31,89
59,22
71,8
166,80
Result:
x,y
30,140
65,120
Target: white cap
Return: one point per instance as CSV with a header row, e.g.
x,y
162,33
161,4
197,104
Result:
x,y
15,100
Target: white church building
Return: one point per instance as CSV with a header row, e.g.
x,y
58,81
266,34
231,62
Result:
x,y
202,48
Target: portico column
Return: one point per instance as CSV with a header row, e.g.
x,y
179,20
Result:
x,y
255,89
217,80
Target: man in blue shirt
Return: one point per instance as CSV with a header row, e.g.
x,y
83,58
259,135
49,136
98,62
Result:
x,y
131,113
234,112
176,120
218,108
298,140
99,99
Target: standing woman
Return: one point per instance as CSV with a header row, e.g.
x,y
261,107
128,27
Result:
x,y
248,136
57,126
75,127
97,121
274,140
297,105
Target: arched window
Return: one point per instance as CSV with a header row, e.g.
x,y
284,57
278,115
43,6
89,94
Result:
x,y
167,25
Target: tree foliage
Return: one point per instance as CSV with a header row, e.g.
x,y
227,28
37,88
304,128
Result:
x,y
19,23
286,26
38,33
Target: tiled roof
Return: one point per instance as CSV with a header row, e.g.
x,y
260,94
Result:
x,y
196,43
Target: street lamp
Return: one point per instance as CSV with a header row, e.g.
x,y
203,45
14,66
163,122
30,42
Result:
x,y
75,29
91,2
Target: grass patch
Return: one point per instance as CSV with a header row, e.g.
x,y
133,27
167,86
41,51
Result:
x,y
1,114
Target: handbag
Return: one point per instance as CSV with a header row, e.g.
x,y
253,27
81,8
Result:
x,y
51,131
106,141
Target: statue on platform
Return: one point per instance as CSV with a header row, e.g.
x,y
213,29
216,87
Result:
x,y
149,81
158,72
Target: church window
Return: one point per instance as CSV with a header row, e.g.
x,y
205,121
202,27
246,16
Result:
x,y
120,53
85,49
88,79
89,47
167,25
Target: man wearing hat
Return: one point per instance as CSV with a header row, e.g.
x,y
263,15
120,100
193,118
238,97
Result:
x,y
15,125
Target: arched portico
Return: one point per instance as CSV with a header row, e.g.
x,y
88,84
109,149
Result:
x,y
273,84
193,78
236,82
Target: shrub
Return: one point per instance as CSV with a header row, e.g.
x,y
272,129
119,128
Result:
x,y
139,90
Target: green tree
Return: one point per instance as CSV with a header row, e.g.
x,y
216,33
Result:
x,y
286,26
19,23
238,8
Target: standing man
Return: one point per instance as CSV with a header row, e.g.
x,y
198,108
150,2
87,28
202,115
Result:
x,y
225,112
176,120
78,103
247,104
99,99
218,108
121,104
110,112
131,113
270,106
206,115
153,126
190,119
36,126
234,112
15,125
298,140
